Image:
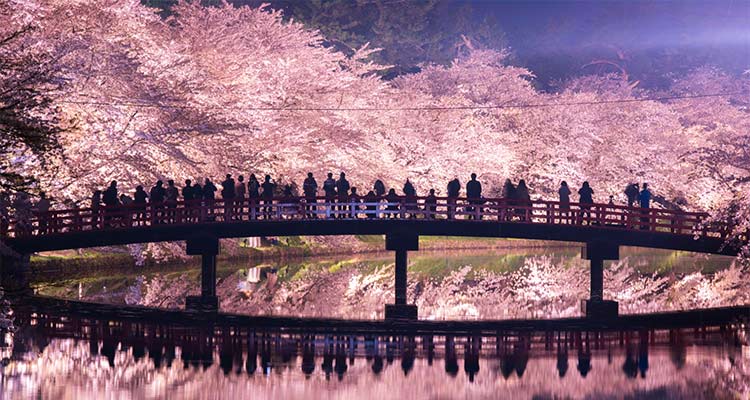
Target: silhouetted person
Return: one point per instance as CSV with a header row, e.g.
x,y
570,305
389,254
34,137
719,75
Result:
x,y
585,198
127,207
240,193
156,198
644,198
371,209
453,189
474,194
342,190
354,200
631,192
96,206
329,189
109,197
268,188
253,194
393,203
564,193
42,208
430,205
410,200
140,198
509,196
228,194
523,199
379,189
197,197
171,195
187,192
209,195
310,188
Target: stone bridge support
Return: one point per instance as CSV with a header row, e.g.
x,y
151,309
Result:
x,y
208,249
401,243
596,253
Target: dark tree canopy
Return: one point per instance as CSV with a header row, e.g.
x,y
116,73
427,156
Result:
x,y
29,125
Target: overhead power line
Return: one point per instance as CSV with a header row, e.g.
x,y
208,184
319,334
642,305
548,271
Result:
x,y
422,108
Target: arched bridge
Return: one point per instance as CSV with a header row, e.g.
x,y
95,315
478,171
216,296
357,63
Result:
x,y
602,227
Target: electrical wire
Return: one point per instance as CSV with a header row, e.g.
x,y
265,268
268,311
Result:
x,y
423,108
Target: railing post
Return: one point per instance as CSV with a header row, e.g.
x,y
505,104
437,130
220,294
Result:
x,y
550,213
253,210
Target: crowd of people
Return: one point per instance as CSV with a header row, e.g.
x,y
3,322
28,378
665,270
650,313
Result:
x,y
254,199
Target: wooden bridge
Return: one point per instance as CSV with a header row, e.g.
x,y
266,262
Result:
x,y
602,228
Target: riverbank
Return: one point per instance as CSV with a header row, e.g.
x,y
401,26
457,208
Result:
x,y
67,265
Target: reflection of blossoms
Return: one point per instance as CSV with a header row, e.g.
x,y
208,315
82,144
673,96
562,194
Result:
x,y
542,287
6,315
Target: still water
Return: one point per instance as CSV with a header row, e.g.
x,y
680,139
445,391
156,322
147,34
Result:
x,y
91,356
69,357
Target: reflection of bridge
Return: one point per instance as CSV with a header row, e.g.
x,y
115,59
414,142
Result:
x,y
243,347
603,228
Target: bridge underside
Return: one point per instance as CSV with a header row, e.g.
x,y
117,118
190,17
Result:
x,y
491,229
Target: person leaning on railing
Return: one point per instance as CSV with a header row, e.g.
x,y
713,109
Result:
x,y
393,201
430,205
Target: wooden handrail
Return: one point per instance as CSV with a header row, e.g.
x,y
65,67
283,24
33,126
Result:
x,y
394,207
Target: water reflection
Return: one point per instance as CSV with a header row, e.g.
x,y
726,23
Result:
x,y
544,283
60,356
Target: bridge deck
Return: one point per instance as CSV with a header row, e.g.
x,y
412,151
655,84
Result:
x,y
545,220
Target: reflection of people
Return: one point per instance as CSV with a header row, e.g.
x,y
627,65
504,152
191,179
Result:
x,y
630,366
308,358
562,358
643,348
521,355
341,366
407,355
471,358
584,356
251,363
677,349
451,364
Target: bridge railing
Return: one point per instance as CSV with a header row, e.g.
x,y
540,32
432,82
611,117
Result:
x,y
322,208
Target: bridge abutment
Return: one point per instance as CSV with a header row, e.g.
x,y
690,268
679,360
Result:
x,y
596,253
401,243
208,249
14,274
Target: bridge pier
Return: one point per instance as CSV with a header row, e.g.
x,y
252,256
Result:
x,y
14,274
208,249
401,243
596,253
